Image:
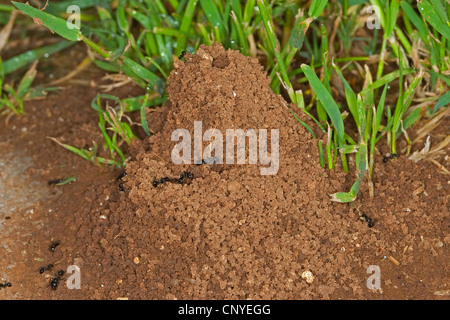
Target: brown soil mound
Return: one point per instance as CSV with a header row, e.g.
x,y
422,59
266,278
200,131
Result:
x,y
229,232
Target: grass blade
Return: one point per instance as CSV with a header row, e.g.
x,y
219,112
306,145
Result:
x,y
275,47
25,58
185,25
415,19
350,96
55,24
212,13
442,102
27,80
327,101
386,79
316,8
132,67
432,15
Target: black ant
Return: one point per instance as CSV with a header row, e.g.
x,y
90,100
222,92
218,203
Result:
x,y
43,269
54,245
392,156
123,174
365,218
119,178
183,53
180,180
185,174
6,284
158,182
55,281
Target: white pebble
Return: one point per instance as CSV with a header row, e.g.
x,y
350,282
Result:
x,y
308,276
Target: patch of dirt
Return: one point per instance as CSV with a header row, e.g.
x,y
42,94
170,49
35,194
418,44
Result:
x,y
229,232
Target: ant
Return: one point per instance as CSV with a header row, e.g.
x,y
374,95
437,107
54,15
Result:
x,y
123,174
55,281
365,218
6,284
392,156
183,53
54,245
119,178
185,174
158,182
43,269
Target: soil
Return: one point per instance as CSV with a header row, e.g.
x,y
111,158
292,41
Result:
x,y
227,233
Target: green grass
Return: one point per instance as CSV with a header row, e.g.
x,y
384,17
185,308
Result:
x,y
304,50
12,99
66,180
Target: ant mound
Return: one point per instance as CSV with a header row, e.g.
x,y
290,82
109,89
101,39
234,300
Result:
x,y
229,230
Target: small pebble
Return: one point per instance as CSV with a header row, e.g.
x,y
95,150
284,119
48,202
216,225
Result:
x,y
308,276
